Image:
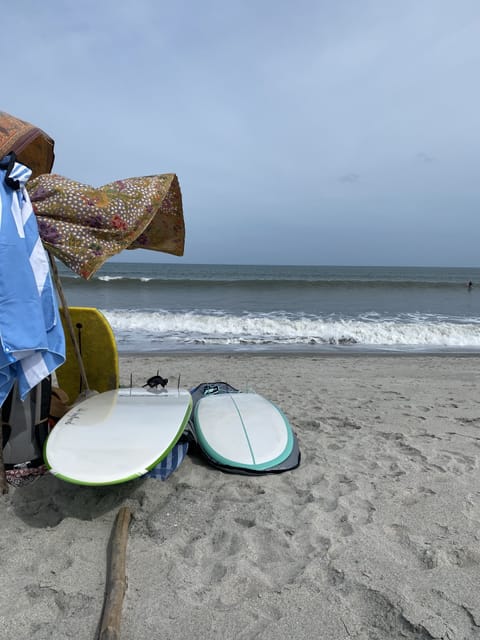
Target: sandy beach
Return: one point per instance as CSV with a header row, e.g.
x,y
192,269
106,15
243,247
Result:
x,y
374,537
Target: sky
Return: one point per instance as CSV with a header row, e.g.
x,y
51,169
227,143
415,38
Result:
x,y
341,132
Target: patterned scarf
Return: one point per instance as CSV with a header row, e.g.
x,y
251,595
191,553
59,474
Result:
x,y
83,226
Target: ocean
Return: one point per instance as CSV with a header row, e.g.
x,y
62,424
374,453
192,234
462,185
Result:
x,y
309,309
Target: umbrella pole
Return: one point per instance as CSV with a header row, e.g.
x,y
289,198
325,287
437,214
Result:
x,y
3,475
69,323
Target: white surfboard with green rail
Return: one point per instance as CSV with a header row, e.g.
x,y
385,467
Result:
x,y
118,435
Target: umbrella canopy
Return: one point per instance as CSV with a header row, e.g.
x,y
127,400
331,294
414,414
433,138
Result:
x,y
82,225
32,146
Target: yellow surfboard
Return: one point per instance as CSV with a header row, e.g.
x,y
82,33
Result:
x,y
99,353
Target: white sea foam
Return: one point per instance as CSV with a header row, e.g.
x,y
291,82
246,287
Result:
x,y
215,328
113,278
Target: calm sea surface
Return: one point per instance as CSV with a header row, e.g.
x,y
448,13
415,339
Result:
x,y
180,307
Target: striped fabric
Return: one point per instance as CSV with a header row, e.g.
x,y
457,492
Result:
x,y
31,334
168,465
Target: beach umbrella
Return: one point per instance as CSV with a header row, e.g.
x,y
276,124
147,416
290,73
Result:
x,y
83,226
79,224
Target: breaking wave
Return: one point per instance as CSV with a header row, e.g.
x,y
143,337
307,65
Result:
x,y
164,330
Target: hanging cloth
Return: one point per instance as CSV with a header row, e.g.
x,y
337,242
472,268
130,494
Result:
x,y
83,226
32,343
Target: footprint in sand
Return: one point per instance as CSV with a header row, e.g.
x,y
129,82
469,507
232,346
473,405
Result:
x,y
346,528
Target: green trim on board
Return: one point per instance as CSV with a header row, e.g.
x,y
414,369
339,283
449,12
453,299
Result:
x,y
177,437
96,484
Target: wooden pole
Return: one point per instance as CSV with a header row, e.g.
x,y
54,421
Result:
x,y
68,320
116,582
3,475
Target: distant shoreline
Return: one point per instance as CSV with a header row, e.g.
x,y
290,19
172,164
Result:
x,y
299,354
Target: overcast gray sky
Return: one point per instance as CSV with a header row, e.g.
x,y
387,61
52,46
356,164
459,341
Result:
x,y
302,132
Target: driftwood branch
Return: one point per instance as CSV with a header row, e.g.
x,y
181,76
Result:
x,y
116,582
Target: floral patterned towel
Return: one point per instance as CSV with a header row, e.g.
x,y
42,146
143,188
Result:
x,y
83,226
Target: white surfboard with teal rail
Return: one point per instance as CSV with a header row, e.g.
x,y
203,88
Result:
x,y
243,431
118,435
